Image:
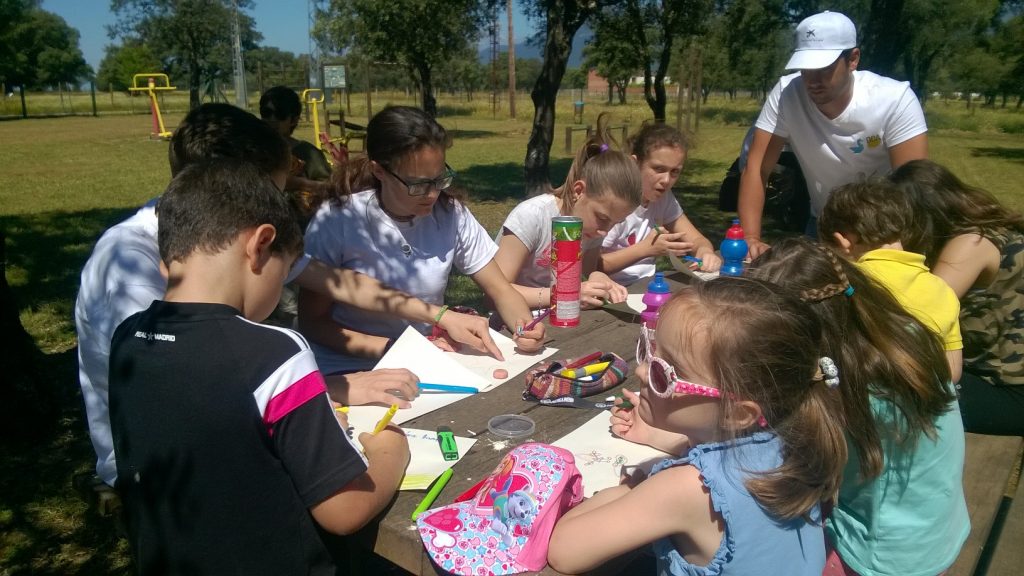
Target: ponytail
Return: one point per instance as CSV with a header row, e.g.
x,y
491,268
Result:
x,y
604,168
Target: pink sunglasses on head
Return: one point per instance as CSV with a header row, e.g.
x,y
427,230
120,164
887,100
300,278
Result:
x,y
661,376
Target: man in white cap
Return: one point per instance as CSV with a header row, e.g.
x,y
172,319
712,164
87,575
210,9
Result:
x,y
843,124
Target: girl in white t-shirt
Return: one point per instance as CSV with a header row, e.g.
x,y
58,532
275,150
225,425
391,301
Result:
x,y
602,188
405,227
658,226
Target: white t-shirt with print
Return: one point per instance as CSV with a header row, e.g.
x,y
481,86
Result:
x,y
530,221
635,228
415,257
882,113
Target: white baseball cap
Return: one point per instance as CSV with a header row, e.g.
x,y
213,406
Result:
x,y
820,39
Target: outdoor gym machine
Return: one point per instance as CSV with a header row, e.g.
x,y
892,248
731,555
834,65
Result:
x,y
151,88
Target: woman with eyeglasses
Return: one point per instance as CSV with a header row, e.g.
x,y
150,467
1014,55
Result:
x,y
396,217
734,373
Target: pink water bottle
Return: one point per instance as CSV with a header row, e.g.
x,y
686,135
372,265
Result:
x,y
657,294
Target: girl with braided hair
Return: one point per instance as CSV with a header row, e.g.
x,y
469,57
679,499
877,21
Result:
x,y
902,422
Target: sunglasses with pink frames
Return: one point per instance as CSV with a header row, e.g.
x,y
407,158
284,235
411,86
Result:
x,y
661,376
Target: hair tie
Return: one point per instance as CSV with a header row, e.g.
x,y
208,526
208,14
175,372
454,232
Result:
x,y
827,371
849,291
602,148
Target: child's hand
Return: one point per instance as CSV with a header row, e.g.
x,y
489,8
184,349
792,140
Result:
x,y
625,422
390,443
711,262
529,341
385,386
598,289
668,243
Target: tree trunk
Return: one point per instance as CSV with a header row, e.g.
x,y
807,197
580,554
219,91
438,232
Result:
x,y
194,79
427,89
564,18
622,92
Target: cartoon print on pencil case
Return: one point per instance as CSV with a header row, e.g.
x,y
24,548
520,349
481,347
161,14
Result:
x,y
517,507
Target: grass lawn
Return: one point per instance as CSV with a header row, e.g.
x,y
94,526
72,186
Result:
x,y
64,180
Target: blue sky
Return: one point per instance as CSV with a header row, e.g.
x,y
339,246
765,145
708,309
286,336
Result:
x,y
283,24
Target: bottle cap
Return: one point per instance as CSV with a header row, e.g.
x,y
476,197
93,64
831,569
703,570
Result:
x,y
658,285
511,425
735,232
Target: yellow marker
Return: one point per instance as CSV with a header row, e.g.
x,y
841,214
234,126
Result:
x,y
386,419
342,409
584,371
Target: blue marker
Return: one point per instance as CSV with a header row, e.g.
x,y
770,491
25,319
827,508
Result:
x,y
448,388
696,261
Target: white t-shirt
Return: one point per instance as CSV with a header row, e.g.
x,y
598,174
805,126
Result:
x,y
530,221
636,227
882,113
415,257
121,277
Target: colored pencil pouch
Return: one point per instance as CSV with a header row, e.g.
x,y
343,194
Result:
x,y
547,381
504,524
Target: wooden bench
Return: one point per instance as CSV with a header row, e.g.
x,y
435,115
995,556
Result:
x,y
989,465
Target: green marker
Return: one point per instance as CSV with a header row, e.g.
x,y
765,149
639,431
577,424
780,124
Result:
x,y
446,440
439,485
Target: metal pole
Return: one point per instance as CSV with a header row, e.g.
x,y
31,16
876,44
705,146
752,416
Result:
x,y
511,65
241,99
92,89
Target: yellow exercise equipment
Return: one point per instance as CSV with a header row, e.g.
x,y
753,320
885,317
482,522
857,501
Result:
x,y
152,88
314,97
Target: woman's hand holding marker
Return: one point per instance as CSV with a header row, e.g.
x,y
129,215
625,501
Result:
x,y
469,330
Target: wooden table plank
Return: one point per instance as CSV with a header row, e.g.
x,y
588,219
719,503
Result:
x,y
989,463
1008,559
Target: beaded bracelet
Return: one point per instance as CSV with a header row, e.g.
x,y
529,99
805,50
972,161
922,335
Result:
x,y
437,319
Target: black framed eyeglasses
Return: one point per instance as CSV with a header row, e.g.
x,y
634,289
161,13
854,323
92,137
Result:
x,y
423,187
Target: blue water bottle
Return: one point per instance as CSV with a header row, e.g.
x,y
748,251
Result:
x,y
734,250
657,294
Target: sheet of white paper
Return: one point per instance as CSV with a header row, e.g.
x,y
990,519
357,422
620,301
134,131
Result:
x,y
600,456
427,462
431,364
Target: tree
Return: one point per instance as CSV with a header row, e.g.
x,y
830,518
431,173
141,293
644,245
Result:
x,y
189,35
612,52
45,48
120,63
562,19
416,33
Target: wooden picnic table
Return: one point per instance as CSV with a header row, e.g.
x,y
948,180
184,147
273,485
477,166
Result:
x,y
990,459
395,537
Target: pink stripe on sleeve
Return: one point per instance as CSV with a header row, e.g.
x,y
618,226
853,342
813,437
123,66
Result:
x,y
300,392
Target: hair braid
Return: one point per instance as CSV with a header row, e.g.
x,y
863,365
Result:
x,y
829,290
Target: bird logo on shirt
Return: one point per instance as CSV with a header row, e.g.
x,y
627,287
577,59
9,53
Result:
x,y
859,147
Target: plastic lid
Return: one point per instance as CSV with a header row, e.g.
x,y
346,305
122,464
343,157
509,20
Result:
x,y
658,285
511,425
735,232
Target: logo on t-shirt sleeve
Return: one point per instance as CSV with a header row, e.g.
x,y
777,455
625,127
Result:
x,y
631,239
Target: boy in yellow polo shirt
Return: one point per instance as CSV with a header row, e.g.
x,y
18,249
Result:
x,y
866,223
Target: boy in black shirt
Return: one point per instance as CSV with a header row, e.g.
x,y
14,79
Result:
x,y
228,447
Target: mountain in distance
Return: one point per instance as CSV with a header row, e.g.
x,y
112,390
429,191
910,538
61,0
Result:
x,y
526,50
